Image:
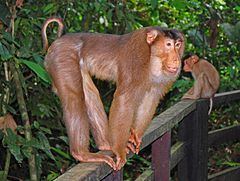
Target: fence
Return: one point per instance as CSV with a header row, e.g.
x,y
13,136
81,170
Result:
x,y
189,154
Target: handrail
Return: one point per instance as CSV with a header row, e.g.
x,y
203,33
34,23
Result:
x,y
160,125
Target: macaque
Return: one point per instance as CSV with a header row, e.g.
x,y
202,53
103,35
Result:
x,y
144,64
206,79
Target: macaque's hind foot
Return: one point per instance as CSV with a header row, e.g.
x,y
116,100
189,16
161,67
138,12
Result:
x,y
94,157
189,96
105,147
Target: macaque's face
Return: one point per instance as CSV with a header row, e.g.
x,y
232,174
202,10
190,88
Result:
x,y
169,53
189,62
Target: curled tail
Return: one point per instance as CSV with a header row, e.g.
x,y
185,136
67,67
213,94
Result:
x,y
44,28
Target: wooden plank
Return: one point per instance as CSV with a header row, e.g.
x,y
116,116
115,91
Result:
x,y
161,157
227,134
185,134
200,142
87,171
178,151
114,176
230,174
167,120
226,97
146,176
194,132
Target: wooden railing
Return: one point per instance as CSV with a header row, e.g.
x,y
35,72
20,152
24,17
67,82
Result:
x,y
189,154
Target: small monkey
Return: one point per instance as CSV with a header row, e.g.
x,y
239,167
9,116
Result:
x,y
144,64
206,79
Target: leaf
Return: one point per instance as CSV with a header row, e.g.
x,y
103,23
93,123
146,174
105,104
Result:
x,y
64,138
15,150
26,151
4,52
61,153
4,14
179,4
154,3
45,145
38,69
46,130
229,30
52,176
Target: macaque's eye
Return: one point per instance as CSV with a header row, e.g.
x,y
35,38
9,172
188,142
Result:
x,y
169,44
178,45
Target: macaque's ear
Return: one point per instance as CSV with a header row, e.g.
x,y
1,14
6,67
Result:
x,y
195,59
151,35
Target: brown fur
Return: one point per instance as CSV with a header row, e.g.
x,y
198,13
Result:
x,y
141,64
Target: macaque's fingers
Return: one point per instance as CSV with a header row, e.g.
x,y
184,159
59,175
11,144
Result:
x,y
138,146
132,138
94,157
131,147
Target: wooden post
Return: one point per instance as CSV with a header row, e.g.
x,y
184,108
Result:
x,y
161,157
194,131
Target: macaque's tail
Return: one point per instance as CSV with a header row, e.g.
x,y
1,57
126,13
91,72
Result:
x,y
44,28
210,106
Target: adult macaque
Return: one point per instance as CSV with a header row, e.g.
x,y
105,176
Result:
x,y
206,79
144,64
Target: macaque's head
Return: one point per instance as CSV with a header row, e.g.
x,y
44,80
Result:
x,y
167,48
189,62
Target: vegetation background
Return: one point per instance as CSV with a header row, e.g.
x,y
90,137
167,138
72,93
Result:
x,y
34,142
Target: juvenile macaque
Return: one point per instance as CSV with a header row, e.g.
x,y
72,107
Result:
x,y
206,79
144,64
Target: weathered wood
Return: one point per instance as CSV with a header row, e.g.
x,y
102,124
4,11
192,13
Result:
x,y
230,174
167,120
200,142
226,97
178,151
224,135
87,171
146,176
114,176
193,131
161,157
185,135
160,125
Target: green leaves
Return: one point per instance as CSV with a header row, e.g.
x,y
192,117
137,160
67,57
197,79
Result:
x,y
38,69
4,53
232,31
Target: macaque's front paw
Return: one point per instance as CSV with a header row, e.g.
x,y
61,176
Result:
x,y
134,140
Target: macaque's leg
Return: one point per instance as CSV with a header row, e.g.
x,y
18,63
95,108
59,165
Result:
x,y
188,93
96,112
120,121
144,116
198,86
68,81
